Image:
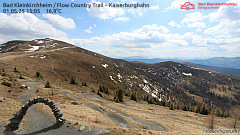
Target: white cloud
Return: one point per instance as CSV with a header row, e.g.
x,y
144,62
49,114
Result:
x,y
136,11
57,20
228,18
105,12
148,36
195,20
196,24
124,19
89,30
194,17
174,24
26,26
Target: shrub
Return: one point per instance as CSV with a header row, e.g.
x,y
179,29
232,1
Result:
x,y
84,83
100,94
185,108
38,75
15,69
48,85
6,84
133,97
20,77
171,107
119,96
104,89
74,103
204,110
72,81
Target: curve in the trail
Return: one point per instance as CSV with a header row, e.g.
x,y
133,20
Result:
x,y
90,95
122,122
114,117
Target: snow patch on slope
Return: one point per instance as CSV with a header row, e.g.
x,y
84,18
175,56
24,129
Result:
x,y
111,77
187,74
105,65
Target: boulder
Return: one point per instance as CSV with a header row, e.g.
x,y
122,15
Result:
x,y
54,108
15,120
81,127
13,126
35,100
59,114
45,101
51,102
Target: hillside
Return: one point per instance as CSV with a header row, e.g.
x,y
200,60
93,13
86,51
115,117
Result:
x,y
77,74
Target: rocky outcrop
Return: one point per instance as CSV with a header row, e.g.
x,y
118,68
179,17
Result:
x,y
16,120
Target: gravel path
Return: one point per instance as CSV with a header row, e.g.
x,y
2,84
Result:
x,y
43,124
90,95
114,117
50,129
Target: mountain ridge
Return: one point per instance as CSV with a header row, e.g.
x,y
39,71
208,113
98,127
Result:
x,y
166,83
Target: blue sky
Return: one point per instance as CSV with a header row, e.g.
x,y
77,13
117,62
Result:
x,y
162,30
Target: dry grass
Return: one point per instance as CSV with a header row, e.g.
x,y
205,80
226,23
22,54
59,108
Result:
x,y
55,68
81,113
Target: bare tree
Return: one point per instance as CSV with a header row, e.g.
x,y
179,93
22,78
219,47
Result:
x,y
211,121
235,116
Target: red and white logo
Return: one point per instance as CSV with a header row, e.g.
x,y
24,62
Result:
x,y
187,6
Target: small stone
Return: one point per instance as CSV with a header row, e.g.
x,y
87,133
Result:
x,y
75,123
59,114
35,100
107,131
145,127
81,127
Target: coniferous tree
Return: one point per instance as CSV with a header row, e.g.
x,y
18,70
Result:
x,y
72,81
48,85
133,97
171,106
15,69
100,94
119,96
38,75
20,77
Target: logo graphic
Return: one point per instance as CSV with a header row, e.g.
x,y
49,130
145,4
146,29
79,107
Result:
x,y
187,6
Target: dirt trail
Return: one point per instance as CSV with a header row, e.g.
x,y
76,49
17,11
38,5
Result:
x,y
90,95
117,119
43,124
114,117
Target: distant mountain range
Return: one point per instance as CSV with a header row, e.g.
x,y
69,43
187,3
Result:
x,y
228,71
230,66
216,62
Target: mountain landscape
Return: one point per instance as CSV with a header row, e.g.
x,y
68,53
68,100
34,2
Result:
x,y
228,71
103,95
229,66
215,62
